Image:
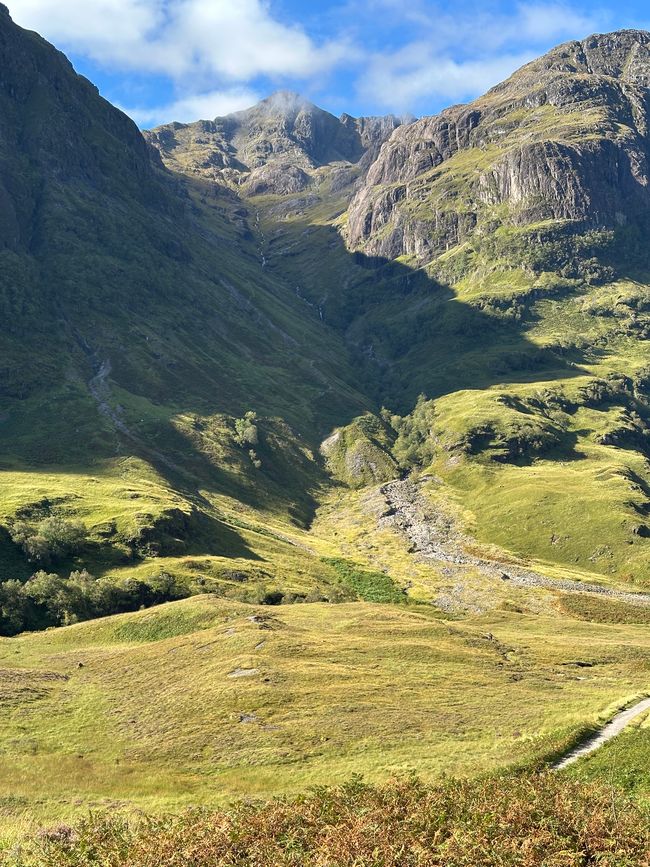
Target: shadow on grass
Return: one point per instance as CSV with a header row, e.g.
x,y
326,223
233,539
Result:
x,y
223,332
405,334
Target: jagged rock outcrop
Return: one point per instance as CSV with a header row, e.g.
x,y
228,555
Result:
x,y
273,147
372,132
565,138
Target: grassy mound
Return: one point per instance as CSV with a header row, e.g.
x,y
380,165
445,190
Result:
x,y
523,821
598,610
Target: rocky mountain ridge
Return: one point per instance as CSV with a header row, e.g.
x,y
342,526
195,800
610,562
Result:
x,y
565,139
274,147
190,313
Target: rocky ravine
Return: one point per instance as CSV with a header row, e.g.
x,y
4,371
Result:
x,y
433,536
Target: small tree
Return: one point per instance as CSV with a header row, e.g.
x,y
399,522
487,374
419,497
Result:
x,y
15,608
246,432
64,537
60,601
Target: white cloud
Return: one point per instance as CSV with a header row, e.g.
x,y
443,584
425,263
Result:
x,y
180,38
204,106
459,56
215,52
401,81
241,39
102,29
542,22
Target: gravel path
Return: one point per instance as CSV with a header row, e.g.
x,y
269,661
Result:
x,y
433,536
613,728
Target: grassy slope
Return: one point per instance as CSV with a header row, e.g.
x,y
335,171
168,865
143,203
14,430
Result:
x,y
580,504
142,709
491,347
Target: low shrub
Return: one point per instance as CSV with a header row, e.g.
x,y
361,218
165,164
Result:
x,y
365,584
509,821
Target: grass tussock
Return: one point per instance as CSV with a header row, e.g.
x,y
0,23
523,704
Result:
x,y
516,820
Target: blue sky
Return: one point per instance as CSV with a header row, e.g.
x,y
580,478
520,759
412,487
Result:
x,y
163,60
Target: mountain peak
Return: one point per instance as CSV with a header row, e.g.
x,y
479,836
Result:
x,y
565,138
621,54
276,143
288,102
626,37
283,107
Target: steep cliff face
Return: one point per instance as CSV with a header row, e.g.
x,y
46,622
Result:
x,y
274,147
57,130
564,139
116,277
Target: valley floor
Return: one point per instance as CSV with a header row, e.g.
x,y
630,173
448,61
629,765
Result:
x,y
456,663
205,700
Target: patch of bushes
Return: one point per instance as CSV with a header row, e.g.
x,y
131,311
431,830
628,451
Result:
x,y
247,434
509,821
366,584
642,383
614,388
416,441
574,255
50,540
47,599
246,430
518,439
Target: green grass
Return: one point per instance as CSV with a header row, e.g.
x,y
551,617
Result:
x,y
596,610
560,513
623,763
153,717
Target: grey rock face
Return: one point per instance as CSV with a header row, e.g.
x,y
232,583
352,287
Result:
x,y
278,178
371,133
565,138
273,147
